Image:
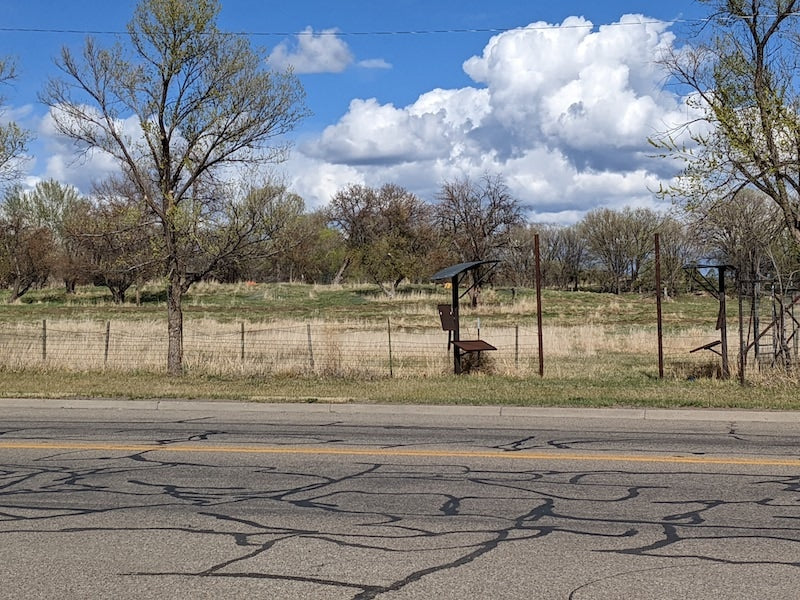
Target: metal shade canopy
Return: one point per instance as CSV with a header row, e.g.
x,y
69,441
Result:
x,y
455,270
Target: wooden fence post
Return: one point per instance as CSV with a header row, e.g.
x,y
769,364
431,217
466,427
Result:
x,y
44,340
108,340
310,347
389,329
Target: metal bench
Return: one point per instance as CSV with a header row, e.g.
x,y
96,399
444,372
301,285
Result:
x,y
449,325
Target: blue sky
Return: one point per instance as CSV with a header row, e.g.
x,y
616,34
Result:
x,y
561,109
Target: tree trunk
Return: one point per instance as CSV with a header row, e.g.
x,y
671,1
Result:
x,y
117,293
175,328
340,273
19,288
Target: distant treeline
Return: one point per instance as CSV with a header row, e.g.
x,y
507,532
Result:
x,y
388,236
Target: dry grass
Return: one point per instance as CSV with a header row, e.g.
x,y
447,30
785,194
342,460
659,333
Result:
x,y
340,348
598,349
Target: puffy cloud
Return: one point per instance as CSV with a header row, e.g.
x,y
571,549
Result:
x,y
564,113
436,126
578,89
322,52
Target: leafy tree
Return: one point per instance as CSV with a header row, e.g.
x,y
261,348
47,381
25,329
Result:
x,y
26,248
743,89
310,250
279,211
51,205
177,105
388,232
13,139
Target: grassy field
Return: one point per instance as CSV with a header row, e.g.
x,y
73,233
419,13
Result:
x,y
599,348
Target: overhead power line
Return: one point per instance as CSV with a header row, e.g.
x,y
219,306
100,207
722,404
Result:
x,y
335,32
399,32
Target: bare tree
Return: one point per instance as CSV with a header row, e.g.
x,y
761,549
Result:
x,y
115,239
679,247
476,219
621,241
573,254
740,231
202,102
519,258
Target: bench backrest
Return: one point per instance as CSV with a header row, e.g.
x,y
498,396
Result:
x,y
446,316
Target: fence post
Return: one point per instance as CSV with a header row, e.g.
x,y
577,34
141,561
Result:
x,y
310,347
516,346
108,339
242,342
44,339
389,329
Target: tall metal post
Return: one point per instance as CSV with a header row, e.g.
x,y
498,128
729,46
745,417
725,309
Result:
x,y
457,327
742,347
722,323
658,308
538,265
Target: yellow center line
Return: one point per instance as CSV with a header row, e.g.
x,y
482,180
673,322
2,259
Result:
x,y
397,452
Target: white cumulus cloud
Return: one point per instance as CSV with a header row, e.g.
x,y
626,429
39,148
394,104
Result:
x,y
310,52
563,111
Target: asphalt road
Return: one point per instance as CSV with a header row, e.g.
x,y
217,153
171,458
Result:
x,y
205,500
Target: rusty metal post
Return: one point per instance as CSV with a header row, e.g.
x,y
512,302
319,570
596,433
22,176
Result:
x,y
742,347
456,325
539,301
658,308
722,323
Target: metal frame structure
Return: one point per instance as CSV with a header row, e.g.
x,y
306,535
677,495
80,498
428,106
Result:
x,y
718,291
455,275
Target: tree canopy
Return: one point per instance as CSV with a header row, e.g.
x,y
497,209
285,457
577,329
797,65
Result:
x,y
742,86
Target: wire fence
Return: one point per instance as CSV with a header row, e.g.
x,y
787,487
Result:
x,y
369,348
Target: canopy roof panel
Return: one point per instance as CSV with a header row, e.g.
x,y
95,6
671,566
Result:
x,y
453,271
